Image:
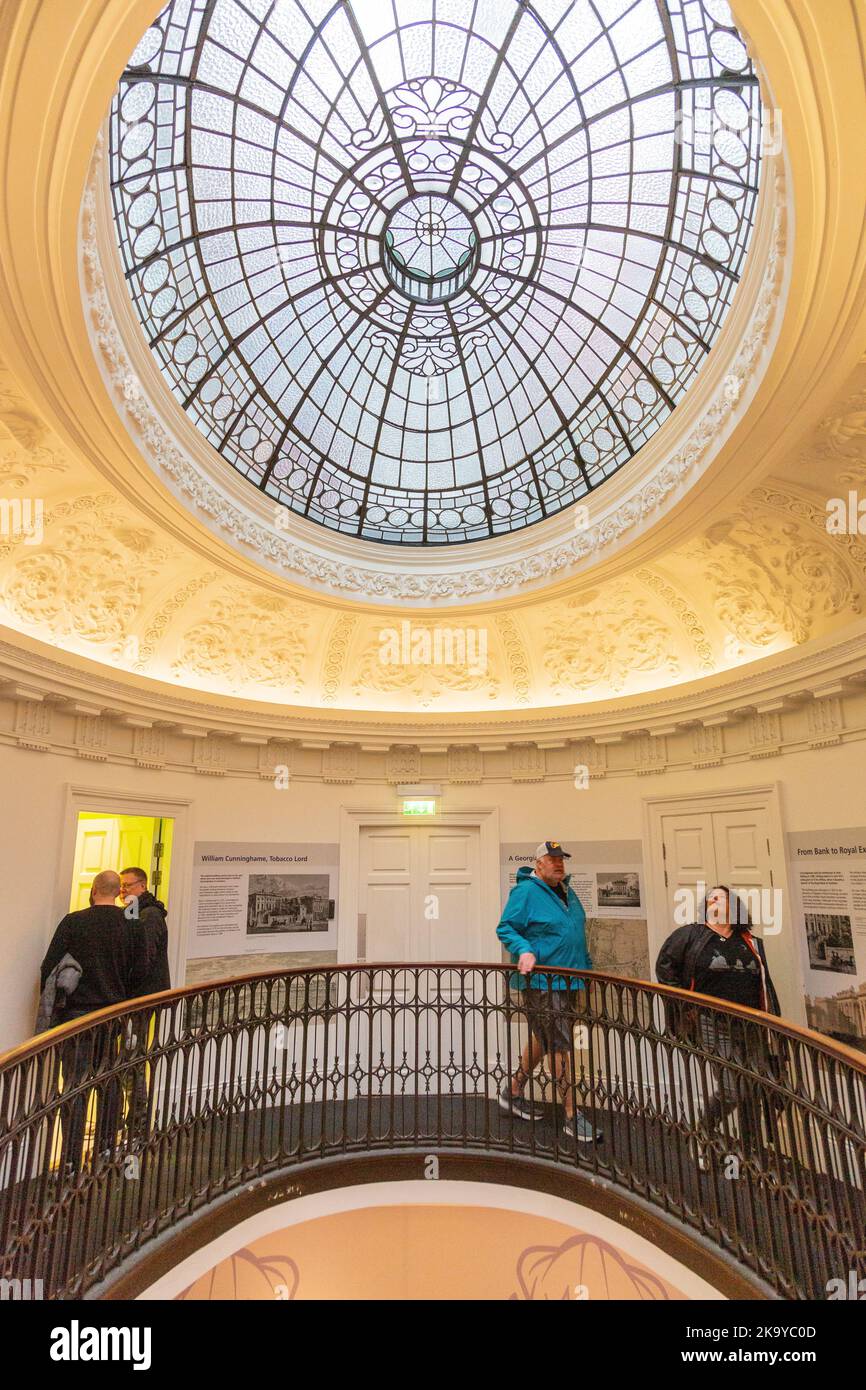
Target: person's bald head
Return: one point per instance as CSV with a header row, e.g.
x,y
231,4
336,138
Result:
x,y
106,887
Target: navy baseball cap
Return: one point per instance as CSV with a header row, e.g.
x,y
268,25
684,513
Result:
x,y
552,847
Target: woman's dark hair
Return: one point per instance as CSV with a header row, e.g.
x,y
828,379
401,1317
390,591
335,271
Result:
x,y
739,915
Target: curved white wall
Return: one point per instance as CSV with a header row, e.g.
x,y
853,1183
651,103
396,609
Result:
x,y
818,789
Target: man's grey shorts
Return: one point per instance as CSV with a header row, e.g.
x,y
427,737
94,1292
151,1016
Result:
x,y
552,1016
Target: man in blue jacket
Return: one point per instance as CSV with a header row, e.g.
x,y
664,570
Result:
x,y
544,924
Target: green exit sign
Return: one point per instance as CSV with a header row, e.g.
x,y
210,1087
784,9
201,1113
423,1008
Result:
x,y
418,807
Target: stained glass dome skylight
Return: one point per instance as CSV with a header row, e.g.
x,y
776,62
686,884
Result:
x,y
427,271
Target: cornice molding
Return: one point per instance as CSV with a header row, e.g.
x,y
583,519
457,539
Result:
x,y
813,721
31,674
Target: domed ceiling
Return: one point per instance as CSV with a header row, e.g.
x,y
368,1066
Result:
x,y
430,271
154,572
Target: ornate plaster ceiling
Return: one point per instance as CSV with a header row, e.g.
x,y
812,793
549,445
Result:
x,y
134,575
106,584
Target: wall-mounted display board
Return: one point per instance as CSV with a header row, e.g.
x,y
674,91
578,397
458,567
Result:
x,y
263,899
828,874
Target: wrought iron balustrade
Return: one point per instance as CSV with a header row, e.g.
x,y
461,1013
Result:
x,y
117,1127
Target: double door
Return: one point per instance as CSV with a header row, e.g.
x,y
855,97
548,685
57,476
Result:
x,y
704,848
708,848
419,895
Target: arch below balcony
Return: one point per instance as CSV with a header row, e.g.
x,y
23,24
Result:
x,y
381,1228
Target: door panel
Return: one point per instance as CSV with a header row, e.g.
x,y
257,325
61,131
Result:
x,y
742,848
389,853
451,894
96,849
136,843
689,857
730,847
447,933
420,891
389,907
450,852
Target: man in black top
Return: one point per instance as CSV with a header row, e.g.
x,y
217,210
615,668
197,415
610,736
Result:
x,y
113,960
152,923
108,948
149,917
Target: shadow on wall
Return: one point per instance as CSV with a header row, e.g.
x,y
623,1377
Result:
x,y
418,1252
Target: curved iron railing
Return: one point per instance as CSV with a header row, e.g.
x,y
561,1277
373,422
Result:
x,y
118,1126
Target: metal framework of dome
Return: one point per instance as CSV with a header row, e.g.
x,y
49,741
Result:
x,y
428,271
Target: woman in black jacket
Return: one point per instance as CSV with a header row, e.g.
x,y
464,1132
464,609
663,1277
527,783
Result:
x,y
720,957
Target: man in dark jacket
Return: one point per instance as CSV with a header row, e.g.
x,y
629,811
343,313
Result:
x,y
108,948
720,957
151,916
113,963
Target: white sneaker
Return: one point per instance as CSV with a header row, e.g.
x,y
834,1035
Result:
x,y
518,1105
576,1126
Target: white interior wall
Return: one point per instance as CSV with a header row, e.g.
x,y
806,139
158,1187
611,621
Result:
x,y
819,789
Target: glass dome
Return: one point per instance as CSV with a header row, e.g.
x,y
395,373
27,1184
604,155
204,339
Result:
x,y
428,271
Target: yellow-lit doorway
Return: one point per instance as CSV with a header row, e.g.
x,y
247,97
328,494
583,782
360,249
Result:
x,y
119,842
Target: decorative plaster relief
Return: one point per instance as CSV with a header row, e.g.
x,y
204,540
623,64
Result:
x,y
707,745
650,754
91,737
687,616
764,735
210,755
843,435
273,755
336,656
403,763
425,661
340,764
769,574
87,578
591,755
27,446
527,763
516,657
148,747
465,764
156,628
825,721
33,725
600,639
251,638
845,550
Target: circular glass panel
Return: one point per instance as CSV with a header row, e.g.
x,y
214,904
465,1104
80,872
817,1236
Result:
x,y
401,264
